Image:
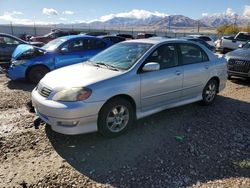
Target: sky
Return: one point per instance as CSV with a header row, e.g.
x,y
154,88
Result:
x,y
75,11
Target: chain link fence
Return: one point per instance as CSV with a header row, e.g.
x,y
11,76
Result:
x,y
35,30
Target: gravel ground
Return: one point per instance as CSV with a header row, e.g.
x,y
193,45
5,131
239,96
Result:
x,y
189,146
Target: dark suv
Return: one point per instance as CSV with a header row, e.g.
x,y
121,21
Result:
x,y
239,62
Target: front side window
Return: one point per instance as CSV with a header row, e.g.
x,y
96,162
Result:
x,y
247,45
122,55
165,55
192,54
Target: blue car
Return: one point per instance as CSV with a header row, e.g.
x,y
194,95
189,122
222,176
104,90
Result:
x,y
32,63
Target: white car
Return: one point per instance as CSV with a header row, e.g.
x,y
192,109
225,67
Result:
x,y
207,39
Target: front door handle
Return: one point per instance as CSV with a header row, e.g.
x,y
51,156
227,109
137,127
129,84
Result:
x,y
178,73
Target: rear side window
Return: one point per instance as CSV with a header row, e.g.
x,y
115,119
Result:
x,y
192,54
94,44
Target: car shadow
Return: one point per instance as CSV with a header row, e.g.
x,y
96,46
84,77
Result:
x,y
241,81
174,148
20,85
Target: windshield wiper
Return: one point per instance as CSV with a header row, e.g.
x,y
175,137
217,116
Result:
x,y
111,67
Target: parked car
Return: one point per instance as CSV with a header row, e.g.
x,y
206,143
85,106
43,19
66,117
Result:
x,y
229,43
53,35
205,38
239,62
212,48
126,36
145,35
96,34
31,63
128,81
8,44
113,39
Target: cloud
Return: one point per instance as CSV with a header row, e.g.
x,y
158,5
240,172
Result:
x,y
14,17
205,14
228,12
68,12
136,13
11,17
246,12
50,11
63,19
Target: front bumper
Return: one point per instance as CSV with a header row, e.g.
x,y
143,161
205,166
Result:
x,y
238,74
16,72
69,118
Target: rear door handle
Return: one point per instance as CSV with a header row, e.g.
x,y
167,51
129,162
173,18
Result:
x,y
206,66
178,73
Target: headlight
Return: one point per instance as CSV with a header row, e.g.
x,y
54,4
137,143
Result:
x,y
72,95
19,62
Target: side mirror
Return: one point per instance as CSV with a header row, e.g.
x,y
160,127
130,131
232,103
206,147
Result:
x,y
150,67
241,45
64,50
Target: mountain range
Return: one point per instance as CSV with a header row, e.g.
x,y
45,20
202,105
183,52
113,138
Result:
x,y
142,18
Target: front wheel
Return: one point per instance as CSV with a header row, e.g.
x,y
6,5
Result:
x,y
115,117
210,92
35,74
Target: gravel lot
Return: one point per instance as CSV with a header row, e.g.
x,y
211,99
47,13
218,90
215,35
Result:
x,y
193,145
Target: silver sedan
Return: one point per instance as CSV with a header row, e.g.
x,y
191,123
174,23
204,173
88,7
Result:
x,y
128,81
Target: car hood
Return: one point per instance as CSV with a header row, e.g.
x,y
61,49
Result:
x,y
78,75
242,53
22,48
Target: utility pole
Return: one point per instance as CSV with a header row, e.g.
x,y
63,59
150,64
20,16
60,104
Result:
x,y
235,21
198,26
35,29
169,24
11,28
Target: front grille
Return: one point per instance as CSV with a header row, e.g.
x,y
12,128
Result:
x,y
44,91
239,65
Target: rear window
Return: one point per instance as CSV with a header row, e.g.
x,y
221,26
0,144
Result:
x,y
205,38
243,36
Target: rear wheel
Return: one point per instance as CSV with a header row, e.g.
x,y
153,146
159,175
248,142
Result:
x,y
35,74
210,92
115,117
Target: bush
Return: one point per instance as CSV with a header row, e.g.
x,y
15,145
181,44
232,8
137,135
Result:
x,y
232,29
228,29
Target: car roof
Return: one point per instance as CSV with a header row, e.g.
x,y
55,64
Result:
x,y
156,40
69,37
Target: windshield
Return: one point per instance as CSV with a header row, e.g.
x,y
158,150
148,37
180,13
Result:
x,y
247,45
121,56
52,45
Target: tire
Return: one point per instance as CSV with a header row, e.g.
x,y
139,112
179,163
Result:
x,y
229,77
35,74
116,117
210,92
